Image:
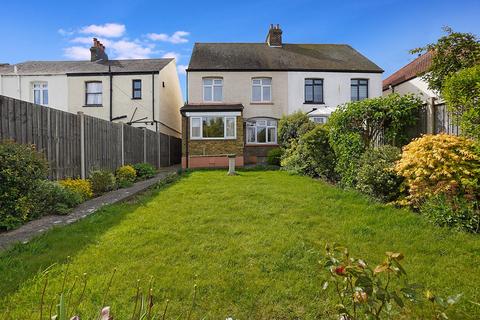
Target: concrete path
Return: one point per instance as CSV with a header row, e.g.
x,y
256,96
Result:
x,y
36,227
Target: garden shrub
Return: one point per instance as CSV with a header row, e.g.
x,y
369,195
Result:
x,y
102,181
291,127
81,186
440,164
456,212
311,155
376,176
274,156
144,170
125,176
21,168
52,198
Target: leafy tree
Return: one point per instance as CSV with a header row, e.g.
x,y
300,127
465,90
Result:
x,y
292,126
461,91
451,53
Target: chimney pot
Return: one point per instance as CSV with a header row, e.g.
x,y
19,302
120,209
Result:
x,y
274,37
97,51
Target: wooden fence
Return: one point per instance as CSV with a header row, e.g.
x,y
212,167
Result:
x,y
75,144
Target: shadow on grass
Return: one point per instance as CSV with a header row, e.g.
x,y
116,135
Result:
x,y
56,245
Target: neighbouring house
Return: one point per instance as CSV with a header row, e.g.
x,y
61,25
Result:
x,y
408,80
141,92
237,92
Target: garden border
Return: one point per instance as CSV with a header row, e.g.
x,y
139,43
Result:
x,y
39,226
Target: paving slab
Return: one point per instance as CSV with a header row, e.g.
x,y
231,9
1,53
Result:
x,y
36,227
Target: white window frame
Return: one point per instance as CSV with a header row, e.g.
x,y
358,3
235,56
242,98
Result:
x,y
261,85
43,87
225,136
95,93
212,88
325,119
247,141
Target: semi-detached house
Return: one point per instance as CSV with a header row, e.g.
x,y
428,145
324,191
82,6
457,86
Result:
x,y
237,92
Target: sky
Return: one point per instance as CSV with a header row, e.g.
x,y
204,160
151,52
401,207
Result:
x,y
384,31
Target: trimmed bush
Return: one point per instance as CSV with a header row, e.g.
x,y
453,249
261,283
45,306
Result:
x,y
274,156
21,168
102,181
311,155
292,127
456,212
376,176
125,176
81,186
440,164
53,198
144,170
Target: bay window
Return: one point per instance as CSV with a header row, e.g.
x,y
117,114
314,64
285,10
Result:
x,y
261,90
262,131
213,127
40,93
213,89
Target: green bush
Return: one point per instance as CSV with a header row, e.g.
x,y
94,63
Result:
x,y
311,155
81,186
125,176
274,156
21,168
291,127
348,148
376,176
102,181
53,198
455,212
144,170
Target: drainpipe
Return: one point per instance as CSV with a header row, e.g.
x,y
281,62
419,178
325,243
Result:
x,y
111,91
153,100
187,134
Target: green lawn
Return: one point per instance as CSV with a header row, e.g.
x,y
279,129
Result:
x,y
251,243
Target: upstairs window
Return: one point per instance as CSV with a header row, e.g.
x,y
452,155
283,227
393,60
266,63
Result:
x,y
136,89
93,94
40,93
262,131
359,88
213,89
213,127
261,90
313,90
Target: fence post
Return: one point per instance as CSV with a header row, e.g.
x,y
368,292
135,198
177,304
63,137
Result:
x,y
169,151
145,145
57,149
159,143
82,144
123,143
431,115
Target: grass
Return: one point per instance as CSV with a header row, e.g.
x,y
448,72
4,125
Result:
x,y
250,242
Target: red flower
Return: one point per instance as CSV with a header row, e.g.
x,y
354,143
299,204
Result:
x,y
340,270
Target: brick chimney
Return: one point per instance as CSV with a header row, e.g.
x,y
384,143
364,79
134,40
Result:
x,y
97,51
274,37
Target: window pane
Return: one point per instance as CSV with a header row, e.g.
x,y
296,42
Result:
x,y
308,81
213,127
196,123
354,81
256,93
272,134
207,93
362,92
217,93
217,81
308,93
267,81
45,97
256,81
354,93
266,93
230,127
272,123
94,87
317,94
261,134
207,82
137,84
36,96
250,134
137,93
318,81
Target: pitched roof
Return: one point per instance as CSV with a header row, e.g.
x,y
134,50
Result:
x,y
289,57
410,71
211,107
79,67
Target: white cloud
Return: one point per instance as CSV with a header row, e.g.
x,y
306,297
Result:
x,y
182,69
125,49
109,30
176,37
64,32
172,54
77,53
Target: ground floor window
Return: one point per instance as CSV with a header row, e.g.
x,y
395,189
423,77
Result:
x,y
213,127
262,131
319,119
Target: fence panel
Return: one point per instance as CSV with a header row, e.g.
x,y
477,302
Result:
x,y
57,134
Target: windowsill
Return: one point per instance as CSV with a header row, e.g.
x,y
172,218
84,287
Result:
x,y
266,103
137,98
270,144
211,139
314,102
219,102
93,106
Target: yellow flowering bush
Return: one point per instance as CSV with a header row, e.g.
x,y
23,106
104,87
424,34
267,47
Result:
x,y
440,164
126,176
81,186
